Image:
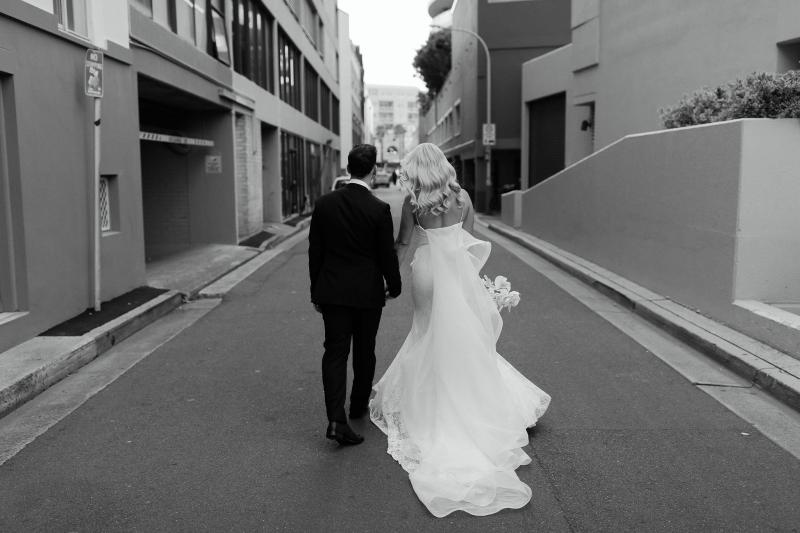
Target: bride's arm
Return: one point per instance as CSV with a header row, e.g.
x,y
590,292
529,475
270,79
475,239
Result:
x,y
406,229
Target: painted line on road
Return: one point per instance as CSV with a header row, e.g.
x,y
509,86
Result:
x,y
32,419
776,421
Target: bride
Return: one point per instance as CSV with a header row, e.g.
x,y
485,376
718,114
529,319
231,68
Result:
x,y
454,411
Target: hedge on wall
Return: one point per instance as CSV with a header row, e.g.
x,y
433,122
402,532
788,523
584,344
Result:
x,y
760,95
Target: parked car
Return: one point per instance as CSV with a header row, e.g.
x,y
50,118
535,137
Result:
x,y
339,182
382,179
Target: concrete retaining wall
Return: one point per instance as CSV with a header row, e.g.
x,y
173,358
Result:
x,y
703,215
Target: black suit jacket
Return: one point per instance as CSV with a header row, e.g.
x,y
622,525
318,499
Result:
x,y
351,249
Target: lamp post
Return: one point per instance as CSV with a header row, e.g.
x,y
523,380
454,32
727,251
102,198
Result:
x,y
488,96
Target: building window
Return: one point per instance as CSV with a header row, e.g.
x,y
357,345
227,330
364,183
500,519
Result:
x,y
308,20
105,204
252,42
201,22
294,5
184,17
312,93
289,71
218,42
145,6
321,41
293,183
457,118
325,105
72,16
335,114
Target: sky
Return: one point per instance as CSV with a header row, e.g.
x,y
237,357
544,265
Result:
x,y
389,33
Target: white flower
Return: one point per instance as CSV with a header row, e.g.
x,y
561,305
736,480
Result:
x,y
501,282
500,292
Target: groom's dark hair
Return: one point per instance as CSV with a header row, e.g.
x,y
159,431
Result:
x,y
361,160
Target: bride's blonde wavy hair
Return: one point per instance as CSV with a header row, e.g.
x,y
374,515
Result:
x,y
428,176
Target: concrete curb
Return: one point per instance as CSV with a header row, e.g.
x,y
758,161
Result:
x,y
265,253
765,366
31,367
272,242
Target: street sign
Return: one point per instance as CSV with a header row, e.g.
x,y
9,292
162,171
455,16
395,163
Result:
x,y
489,138
94,73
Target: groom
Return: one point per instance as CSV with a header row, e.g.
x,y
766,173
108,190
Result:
x,y
351,253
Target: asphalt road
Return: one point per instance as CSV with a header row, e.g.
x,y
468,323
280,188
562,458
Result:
x,y
222,429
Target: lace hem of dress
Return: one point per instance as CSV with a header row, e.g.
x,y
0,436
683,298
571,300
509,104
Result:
x,y
399,444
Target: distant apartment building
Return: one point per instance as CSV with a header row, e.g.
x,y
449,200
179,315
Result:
x,y
218,116
351,76
629,58
395,120
514,32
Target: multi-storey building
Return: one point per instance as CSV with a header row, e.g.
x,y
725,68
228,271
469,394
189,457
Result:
x,y
218,116
395,120
629,58
351,75
514,32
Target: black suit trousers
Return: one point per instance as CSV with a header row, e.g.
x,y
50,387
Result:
x,y
344,325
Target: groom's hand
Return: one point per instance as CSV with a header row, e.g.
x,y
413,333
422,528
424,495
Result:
x,y
386,294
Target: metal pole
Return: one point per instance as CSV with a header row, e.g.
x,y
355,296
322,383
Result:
x,y
96,208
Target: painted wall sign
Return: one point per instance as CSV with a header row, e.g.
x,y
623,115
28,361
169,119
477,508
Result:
x,y
213,164
173,139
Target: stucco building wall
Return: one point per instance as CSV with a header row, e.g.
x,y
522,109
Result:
x,y
629,58
42,72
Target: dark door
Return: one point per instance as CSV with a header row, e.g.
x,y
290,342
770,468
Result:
x,y
546,141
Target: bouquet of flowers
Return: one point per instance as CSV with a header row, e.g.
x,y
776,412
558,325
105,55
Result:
x,y
501,293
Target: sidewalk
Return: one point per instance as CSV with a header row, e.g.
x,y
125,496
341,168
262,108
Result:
x,y
767,367
33,366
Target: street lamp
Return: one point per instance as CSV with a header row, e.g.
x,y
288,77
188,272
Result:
x,y
488,95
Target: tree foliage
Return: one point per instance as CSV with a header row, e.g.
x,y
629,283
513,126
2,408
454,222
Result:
x,y
432,61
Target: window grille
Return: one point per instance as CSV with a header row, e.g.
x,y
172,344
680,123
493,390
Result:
x,y
105,205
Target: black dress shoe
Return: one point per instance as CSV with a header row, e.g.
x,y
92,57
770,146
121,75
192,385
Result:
x,y
343,434
358,412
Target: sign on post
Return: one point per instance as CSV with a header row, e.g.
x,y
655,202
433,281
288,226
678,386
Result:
x,y
489,138
94,73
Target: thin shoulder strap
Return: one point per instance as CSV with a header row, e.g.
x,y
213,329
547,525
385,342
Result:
x,y
463,205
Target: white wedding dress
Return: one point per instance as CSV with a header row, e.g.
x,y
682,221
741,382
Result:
x,y
454,411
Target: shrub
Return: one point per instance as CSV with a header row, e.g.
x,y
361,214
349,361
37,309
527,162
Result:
x,y
760,95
